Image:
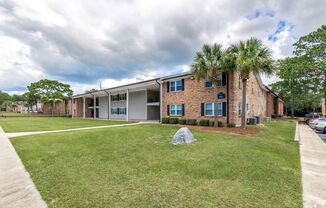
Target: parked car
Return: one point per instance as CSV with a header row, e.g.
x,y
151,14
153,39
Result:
x,y
321,126
314,122
310,116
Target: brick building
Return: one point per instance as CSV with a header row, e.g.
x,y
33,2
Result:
x,y
181,96
62,108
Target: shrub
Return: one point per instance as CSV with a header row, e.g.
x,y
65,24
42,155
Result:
x,y
230,125
182,121
173,120
165,120
219,124
204,123
191,121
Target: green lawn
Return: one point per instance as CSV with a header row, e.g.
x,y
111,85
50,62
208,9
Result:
x,y
137,166
22,124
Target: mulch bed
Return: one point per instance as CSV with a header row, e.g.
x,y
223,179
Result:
x,y
235,130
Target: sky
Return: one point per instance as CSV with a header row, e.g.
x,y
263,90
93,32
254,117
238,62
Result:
x,y
85,43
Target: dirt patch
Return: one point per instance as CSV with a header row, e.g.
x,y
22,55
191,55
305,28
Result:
x,y
249,131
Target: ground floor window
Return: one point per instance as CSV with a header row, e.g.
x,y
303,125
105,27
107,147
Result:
x,y
118,111
208,109
176,110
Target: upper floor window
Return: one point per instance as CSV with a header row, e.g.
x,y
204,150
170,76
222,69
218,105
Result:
x,y
73,100
208,83
176,85
239,109
114,97
122,96
219,80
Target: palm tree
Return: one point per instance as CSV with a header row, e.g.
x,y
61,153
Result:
x,y
250,56
208,64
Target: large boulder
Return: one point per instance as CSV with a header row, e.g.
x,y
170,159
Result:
x,y
183,136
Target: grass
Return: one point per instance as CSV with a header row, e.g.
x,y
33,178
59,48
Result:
x,y
23,124
137,166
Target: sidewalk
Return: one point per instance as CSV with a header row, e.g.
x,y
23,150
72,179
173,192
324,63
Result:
x,y
18,134
16,187
313,165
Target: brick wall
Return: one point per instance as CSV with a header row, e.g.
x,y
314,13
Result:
x,y
196,93
59,108
78,106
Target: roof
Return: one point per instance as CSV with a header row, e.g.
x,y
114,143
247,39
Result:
x,y
173,76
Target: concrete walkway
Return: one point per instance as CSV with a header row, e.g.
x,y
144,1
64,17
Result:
x,y
16,187
18,134
313,164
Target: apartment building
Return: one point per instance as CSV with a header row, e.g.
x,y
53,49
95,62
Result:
x,y
180,96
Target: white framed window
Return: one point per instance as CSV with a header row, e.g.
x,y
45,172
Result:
x,y
122,111
176,85
176,110
219,80
115,111
122,96
209,109
208,83
115,97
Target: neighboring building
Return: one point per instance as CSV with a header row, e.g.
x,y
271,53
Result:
x,y
322,106
61,108
181,96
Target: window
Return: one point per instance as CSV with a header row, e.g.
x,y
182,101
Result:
x,y
176,110
176,85
73,100
219,80
240,109
122,96
210,111
247,107
122,111
208,83
114,97
115,111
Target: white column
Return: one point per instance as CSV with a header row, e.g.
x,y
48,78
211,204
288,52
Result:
x,y
84,107
94,106
109,106
127,105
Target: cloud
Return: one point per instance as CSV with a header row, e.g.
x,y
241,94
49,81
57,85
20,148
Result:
x,y
84,42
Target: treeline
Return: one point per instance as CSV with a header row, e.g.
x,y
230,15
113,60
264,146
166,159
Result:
x,y
303,76
45,91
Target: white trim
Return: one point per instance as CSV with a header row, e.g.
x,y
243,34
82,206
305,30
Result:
x,y
176,109
175,85
213,105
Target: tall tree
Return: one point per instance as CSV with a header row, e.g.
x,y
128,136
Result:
x,y
250,56
208,63
311,49
50,91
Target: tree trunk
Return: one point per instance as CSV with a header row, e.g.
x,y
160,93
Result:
x,y
52,109
292,107
244,103
216,111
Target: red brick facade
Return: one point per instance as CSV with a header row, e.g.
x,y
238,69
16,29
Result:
x,y
195,93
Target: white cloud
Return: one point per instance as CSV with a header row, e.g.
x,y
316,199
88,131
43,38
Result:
x,y
83,42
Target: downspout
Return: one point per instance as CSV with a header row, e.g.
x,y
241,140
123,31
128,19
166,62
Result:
x,y
161,95
227,99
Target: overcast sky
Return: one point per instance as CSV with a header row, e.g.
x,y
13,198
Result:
x,y
84,42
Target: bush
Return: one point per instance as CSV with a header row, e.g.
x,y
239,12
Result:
x,y
173,120
191,121
165,120
182,121
219,124
204,123
230,125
